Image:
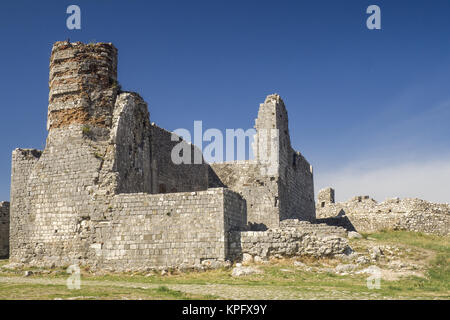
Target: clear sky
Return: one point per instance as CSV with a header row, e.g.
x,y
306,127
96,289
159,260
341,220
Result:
x,y
370,109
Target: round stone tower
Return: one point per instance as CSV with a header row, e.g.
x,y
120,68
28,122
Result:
x,y
83,84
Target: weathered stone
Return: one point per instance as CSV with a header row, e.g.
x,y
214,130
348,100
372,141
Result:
x,y
299,264
354,235
240,271
247,258
345,268
275,187
105,192
362,260
376,253
28,273
364,214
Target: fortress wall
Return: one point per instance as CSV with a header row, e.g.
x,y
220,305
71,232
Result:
x,y
106,193
23,161
366,215
169,230
130,141
59,197
171,177
259,191
297,189
4,229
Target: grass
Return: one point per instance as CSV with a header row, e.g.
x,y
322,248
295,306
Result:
x,y
438,272
280,280
86,130
52,292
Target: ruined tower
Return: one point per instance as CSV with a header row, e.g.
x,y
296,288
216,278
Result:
x,y
53,190
325,197
69,202
293,173
278,183
83,84
105,192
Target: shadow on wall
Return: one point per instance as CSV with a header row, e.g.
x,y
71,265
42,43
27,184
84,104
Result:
x,y
340,220
234,247
253,226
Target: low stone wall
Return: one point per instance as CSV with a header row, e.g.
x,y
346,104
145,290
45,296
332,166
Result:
x,y
316,228
301,238
170,230
366,215
4,229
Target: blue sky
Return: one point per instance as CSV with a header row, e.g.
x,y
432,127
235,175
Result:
x,y
370,109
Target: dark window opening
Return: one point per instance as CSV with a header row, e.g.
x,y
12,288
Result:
x,y
322,204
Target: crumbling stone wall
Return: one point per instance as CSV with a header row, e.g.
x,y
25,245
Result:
x,y
4,229
295,238
364,214
131,137
259,191
83,84
70,201
105,193
171,177
278,184
325,197
296,189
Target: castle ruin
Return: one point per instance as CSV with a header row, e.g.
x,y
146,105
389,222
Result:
x,y
105,193
364,214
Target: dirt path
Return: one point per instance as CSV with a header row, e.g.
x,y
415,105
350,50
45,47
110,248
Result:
x,y
222,291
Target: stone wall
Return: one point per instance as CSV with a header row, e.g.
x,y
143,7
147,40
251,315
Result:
x,y
23,161
105,192
295,238
259,191
168,230
4,229
58,193
366,215
278,184
83,84
324,197
171,177
130,136
70,202
296,189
